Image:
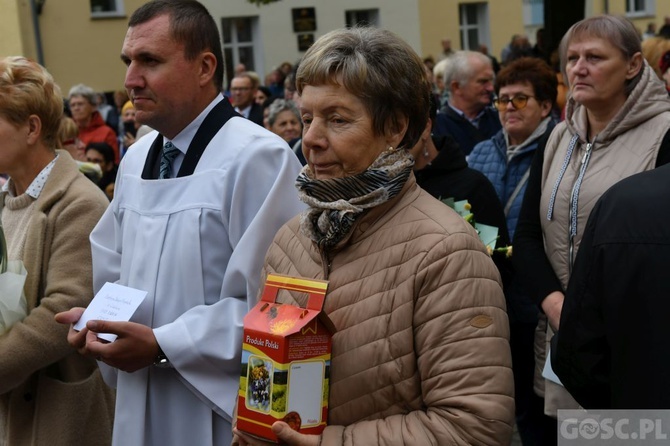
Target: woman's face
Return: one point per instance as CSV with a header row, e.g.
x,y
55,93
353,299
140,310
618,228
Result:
x,y
520,123
76,149
14,145
128,115
597,72
337,137
93,156
81,109
286,125
260,97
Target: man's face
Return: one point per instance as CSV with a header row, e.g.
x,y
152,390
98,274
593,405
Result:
x,y
242,92
164,86
476,93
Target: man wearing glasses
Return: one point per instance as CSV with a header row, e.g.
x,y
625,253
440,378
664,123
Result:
x,y
468,116
243,89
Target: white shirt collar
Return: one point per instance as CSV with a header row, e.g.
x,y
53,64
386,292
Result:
x,y
36,186
245,111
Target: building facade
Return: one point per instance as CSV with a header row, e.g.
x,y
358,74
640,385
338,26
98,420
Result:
x,y
80,41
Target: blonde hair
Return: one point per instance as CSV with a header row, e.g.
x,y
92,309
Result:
x,y
653,49
68,129
27,88
128,105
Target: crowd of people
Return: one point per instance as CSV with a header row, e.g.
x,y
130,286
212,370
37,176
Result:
x,y
338,168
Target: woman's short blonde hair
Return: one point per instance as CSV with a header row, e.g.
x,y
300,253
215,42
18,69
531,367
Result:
x,y
27,88
68,129
378,67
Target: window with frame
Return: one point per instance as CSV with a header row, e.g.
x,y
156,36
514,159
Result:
x,y
368,17
106,8
473,24
640,7
238,44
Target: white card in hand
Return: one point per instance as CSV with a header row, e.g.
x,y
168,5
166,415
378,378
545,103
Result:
x,y
112,303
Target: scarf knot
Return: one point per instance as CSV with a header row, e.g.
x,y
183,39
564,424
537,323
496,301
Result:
x,y
336,203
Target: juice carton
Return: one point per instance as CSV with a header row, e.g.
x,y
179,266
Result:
x,y
285,361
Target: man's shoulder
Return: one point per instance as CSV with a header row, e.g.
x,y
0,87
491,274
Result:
x,y
644,191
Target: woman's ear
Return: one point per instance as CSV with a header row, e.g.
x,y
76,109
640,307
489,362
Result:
x,y
545,106
34,129
634,65
397,131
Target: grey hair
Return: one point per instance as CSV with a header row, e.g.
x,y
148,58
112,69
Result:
x,y
279,106
618,31
378,67
440,68
85,92
459,68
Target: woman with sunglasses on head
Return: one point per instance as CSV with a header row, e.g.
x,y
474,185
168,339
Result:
x,y
616,125
526,95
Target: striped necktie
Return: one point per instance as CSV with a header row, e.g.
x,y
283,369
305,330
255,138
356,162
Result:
x,y
170,152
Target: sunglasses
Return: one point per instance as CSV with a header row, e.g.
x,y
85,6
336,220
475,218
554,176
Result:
x,y
519,102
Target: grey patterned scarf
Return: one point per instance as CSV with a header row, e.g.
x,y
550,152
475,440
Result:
x,y
336,203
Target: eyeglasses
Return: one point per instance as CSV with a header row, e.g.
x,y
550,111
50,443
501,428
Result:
x,y
240,89
519,102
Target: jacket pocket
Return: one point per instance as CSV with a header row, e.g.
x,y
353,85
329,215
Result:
x,y
68,413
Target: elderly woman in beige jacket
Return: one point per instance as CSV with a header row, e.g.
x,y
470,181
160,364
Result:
x,y
421,353
49,394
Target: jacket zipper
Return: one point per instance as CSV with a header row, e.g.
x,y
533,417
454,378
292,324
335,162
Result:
x,y
574,201
325,263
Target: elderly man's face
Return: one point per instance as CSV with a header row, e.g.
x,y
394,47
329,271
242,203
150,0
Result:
x,y
242,92
477,91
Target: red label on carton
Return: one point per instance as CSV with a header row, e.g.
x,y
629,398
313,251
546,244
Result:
x,y
285,361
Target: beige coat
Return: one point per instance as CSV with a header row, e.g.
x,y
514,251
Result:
x,y
421,354
628,145
53,395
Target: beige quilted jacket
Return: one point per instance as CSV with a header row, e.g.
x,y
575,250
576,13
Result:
x,y
421,353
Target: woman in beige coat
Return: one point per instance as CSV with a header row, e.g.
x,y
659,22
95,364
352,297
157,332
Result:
x,y
49,394
421,353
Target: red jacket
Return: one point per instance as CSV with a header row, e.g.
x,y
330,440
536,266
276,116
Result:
x,y
98,131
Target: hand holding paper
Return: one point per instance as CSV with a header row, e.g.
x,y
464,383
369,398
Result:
x,y
112,303
131,346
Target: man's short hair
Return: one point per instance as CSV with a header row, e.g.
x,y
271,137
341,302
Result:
x,y
253,77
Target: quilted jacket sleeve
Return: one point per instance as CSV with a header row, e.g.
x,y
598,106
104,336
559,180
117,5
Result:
x,y
461,340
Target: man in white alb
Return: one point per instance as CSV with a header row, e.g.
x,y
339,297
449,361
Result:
x,y
197,203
